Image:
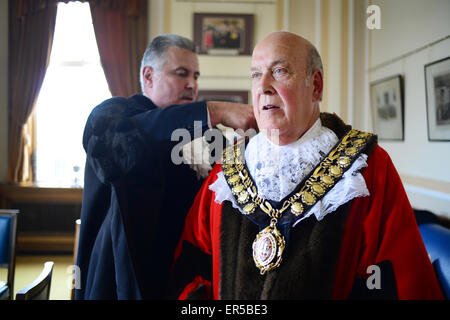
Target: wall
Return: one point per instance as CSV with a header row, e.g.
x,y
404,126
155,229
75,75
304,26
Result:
x,y
360,59
3,91
403,46
302,19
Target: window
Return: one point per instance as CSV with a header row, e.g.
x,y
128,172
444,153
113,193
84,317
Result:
x,y
74,84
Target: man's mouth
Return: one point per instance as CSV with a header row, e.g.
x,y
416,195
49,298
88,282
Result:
x,y
189,98
270,107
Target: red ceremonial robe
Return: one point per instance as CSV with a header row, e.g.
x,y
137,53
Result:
x,y
380,227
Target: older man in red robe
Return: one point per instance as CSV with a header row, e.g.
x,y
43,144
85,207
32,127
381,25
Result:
x,y
306,209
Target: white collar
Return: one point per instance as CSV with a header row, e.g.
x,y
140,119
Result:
x,y
277,170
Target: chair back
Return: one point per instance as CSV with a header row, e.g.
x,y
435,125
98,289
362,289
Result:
x,y
39,289
8,238
76,240
437,242
75,252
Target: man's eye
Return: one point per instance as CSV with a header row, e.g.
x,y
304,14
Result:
x,y
279,71
255,75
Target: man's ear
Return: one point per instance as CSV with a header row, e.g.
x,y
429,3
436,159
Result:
x,y
317,85
147,74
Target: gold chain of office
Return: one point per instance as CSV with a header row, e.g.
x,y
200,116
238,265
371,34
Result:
x,y
269,244
323,178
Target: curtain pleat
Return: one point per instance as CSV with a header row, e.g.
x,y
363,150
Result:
x,y
30,43
120,28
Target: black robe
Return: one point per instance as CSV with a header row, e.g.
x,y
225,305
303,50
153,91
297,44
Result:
x,y
135,198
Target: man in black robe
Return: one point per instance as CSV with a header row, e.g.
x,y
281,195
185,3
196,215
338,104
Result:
x,y
135,197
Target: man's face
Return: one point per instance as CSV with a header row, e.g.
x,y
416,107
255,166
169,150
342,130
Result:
x,y
282,94
176,83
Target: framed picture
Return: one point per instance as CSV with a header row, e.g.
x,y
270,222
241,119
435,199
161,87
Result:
x,y
386,99
223,34
217,95
437,83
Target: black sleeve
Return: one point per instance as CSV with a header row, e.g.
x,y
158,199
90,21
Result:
x,y
121,139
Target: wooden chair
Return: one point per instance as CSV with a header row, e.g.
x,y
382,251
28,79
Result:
x,y
8,238
39,289
77,238
75,250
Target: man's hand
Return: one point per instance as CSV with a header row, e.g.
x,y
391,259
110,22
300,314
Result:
x,y
233,115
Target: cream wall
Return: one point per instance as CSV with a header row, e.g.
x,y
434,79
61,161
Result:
x,y
403,46
3,91
302,18
360,59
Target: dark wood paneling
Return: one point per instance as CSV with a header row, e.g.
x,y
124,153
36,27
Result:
x,y
46,222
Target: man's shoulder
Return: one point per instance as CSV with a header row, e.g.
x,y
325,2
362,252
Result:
x,y
379,155
111,104
117,106
379,168
121,101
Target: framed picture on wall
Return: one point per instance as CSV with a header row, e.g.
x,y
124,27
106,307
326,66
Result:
x,y
223,33
237,96
437,83
386,100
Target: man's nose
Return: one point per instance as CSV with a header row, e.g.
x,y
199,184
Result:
x,y
191,83
266,85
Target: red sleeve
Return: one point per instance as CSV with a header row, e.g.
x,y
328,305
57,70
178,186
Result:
x,y
382,227
202,234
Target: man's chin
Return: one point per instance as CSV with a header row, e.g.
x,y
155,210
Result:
x,y
269,124
270,130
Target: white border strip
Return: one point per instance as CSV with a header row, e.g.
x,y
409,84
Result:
x,y
429,193
426,199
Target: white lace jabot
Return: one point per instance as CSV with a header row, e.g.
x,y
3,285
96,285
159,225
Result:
x,y
277,170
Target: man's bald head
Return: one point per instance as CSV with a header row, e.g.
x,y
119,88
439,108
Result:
x,y
305,49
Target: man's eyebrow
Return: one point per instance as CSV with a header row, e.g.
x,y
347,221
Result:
x,y
182,69
186,70
279,61
274,63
